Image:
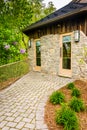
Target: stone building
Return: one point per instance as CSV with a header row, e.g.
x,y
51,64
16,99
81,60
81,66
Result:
x,y
57,41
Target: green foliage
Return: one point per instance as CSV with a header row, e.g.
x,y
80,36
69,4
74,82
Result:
x,y
15,15
40,10
77,104
70,86
49,9
76,92
57,97
10,47
66,117
21,13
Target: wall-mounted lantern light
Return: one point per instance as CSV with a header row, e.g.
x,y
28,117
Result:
x,y
58,25
76,36
29,43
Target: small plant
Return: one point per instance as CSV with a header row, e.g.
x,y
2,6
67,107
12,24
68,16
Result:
x,y
67,117
77,104
57,97
70,86
76,92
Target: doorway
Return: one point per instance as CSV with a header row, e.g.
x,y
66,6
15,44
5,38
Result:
x,y
37,55
65,68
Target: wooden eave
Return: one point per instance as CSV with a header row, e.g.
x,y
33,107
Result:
x,y
56,19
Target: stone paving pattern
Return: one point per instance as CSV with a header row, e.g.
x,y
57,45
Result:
x,y
22,103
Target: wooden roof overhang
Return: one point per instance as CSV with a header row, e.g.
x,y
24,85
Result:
x,y
58,18
47,22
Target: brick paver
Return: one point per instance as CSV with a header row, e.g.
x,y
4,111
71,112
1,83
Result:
x,y
22,104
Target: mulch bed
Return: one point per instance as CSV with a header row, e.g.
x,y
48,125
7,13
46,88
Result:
x,y
50,109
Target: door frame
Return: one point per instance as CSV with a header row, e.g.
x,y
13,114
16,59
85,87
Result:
x,y
36,68
64,72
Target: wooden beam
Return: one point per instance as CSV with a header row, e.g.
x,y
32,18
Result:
x,y
85,27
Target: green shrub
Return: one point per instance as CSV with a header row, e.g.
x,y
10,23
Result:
x,y
76,92
67,117
70,86
57,97
77,104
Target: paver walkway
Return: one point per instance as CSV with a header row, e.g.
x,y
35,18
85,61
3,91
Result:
x,y
22,104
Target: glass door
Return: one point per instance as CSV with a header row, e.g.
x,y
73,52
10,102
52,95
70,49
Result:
x,y
65,56
37,55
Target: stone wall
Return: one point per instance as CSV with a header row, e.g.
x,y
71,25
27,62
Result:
x,y
31,55
79,69
50,54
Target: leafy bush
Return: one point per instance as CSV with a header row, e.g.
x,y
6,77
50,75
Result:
x,y
70,86
57,97
76,92
77,104
67,117
12,47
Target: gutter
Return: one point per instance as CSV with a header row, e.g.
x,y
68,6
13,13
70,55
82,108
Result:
x,y
55,19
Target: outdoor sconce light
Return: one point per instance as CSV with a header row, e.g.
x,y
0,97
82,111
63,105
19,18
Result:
x,y
76,36
58,25
29,43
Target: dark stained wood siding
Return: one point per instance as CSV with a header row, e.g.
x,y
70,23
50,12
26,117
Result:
x,y
65,26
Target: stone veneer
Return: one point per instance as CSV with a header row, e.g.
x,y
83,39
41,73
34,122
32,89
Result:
x,y
77,54
50,54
